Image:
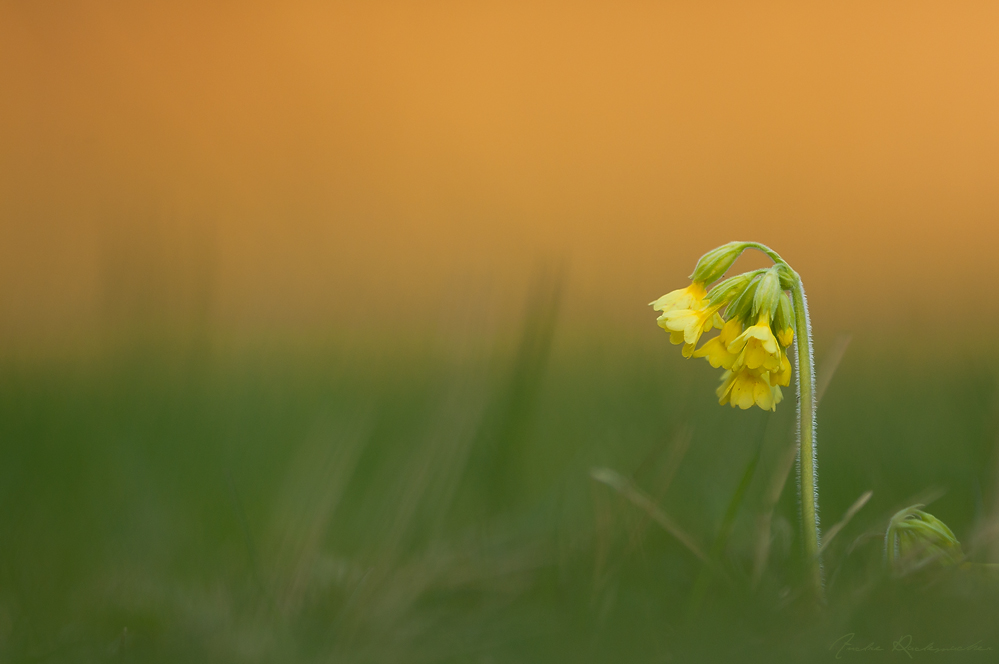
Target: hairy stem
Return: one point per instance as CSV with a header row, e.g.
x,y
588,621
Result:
x,y
807,462
808,491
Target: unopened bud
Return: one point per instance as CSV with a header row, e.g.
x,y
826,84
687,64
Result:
x,y
916,539
741,305
714,264
731,288
767,294
784,315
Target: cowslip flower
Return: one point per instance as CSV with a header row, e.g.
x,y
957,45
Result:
x,y
686,315
760,313
691,324
758,346
745,387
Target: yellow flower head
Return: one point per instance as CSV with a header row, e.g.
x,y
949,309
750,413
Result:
x,y
757,346
753,356
746,387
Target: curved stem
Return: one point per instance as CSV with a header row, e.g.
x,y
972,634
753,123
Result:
x,y
774,256
807,461
808,491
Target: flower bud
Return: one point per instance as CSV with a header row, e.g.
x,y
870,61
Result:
x,y
740,308
768,293
915,539
788,277
784,317
716,262
731,288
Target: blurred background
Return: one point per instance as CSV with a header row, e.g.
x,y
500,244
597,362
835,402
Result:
x,y
316,317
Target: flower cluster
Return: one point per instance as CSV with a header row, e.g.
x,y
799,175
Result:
x,y
754,315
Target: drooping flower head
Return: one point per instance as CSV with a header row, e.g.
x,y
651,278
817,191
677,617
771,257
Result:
x,y
758,325
754,314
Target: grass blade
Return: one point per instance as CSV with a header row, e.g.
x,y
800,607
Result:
x,y
857,505
640,499
830,363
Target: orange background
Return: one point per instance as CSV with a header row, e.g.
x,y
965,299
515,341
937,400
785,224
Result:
x,y
305,166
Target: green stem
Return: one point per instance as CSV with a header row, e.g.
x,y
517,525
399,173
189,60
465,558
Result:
x,y
807,462
774,256
808,491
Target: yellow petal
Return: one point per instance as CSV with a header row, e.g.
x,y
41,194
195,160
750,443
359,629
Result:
x,y
755,355
716,353
724,390
763,396
692,333
742,391
730,331
782,377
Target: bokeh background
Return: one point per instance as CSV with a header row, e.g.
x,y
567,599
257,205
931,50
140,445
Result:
x,y
315,318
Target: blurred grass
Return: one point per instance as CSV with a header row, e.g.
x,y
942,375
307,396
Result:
x,y
167,504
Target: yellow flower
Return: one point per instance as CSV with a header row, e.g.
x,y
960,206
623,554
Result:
x,y
757,346
683,298
692,323
686,315
716,350
745,387
753,356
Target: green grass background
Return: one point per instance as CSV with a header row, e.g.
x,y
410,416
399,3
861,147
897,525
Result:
x,y
432,502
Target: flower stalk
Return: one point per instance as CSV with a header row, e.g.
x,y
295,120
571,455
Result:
x,y
758,323
807,462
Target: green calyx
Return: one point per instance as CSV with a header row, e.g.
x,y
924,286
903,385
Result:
x,y
741,305
716,262
767,295
750,293
784,318
731,288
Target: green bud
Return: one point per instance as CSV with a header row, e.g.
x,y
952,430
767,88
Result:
x,y
788,277
767,293
742,304
716,262
731,288
785,314
915,539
